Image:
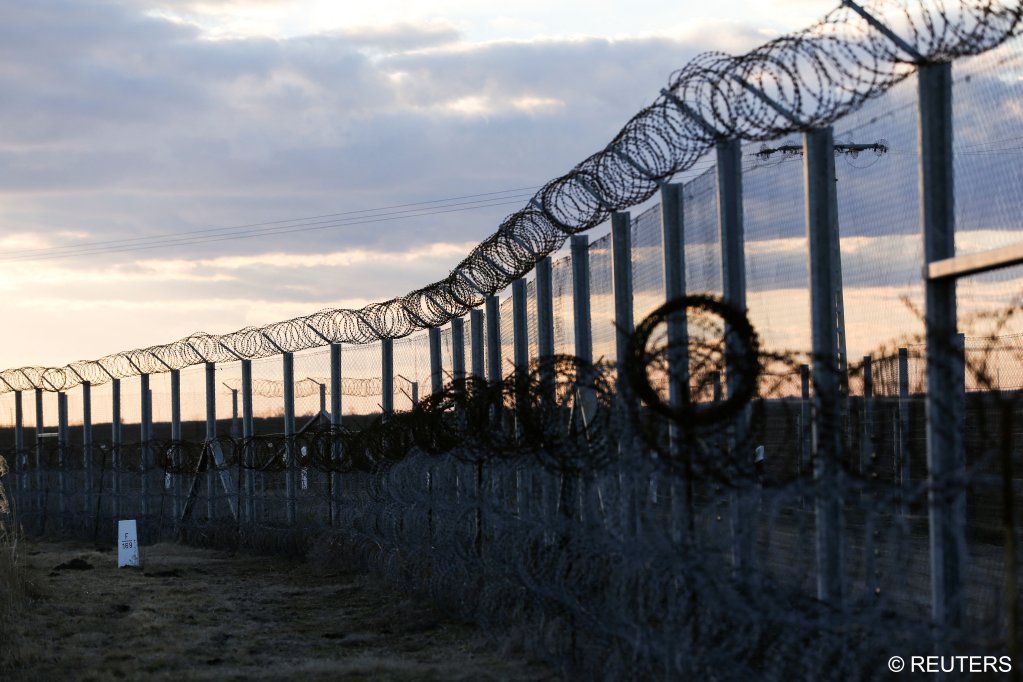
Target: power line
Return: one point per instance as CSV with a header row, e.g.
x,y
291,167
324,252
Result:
x,y
221,238
254,230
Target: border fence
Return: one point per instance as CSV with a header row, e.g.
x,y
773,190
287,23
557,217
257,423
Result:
x,y
766,428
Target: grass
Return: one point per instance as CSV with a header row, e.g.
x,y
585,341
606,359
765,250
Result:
x,y
12,578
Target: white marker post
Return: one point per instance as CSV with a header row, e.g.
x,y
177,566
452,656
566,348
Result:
x,y
127,544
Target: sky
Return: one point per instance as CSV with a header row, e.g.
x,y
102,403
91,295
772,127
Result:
x,y
149,119
173,166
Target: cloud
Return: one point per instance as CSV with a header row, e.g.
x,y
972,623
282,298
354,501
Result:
x,y
121,123
401,37
117,122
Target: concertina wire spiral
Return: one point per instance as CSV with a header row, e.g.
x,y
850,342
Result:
x,y
796,82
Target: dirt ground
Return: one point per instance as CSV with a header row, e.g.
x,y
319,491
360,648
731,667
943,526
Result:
x,y
196,614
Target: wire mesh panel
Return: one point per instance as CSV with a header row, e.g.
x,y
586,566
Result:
x,y
647,263
602,313
531,317
702,235
507,334
627,536
411,366
777,282
361,370
564,315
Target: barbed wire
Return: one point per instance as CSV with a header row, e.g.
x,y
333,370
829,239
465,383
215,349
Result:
x,y
541,503
806,79
310,386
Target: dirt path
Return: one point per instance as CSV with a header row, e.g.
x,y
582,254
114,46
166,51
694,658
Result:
x,y
193,614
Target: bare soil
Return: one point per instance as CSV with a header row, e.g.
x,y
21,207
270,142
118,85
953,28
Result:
x,y
197,614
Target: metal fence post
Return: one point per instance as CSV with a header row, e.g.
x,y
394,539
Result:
x,y
62,452
290,449
87,446
805,463
335,425
175,385
733,278
387,376
115,445
41,476
211,437
21,457
493,306
571,494
234,413
436,367
903,471
822,233
621,279
458,349
476,344
520,353
247,434
580,249
545,322
144,437
945,457
867,420
520,332
673,241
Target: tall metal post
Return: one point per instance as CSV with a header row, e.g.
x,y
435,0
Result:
x,y
571,494
624,320
822,232
621,279
175,386
733,278
63,444
520,330
674,245
903,471
493,339
867,422
291,449
87,488
234,413
733,242
211,437
41,476
580,250
387,376
145,437
805,429
436,367
335,425
19,448
520,352
805,464
62,452
945,383
335,385
115,445
545,321
476,344
247,434
458,349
